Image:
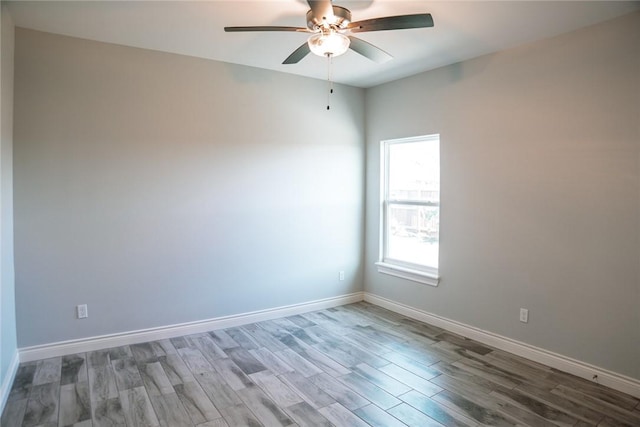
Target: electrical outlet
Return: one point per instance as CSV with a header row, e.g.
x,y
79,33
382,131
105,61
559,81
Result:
x,y
341,275
524,315
82,311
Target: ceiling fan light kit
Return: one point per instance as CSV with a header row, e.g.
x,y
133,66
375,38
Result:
x,y
329,44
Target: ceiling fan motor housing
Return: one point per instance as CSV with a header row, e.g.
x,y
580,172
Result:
x,y
340,19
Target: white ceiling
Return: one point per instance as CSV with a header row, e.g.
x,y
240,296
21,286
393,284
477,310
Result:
x,y
462,30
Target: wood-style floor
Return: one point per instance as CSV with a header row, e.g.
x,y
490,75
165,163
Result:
x,y
354,365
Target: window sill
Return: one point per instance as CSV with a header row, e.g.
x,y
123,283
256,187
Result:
x,y
427,278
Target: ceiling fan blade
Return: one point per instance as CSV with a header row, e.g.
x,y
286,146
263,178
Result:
x,y
321,10
298,54
368,50
421,20
265,28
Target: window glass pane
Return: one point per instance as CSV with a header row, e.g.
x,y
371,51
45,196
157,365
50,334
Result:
x,y
413,234
414,171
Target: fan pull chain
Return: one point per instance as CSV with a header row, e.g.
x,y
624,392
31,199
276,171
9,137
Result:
x,y
329,79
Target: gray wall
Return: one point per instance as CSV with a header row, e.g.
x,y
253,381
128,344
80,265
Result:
x,y
161,189
540,203
8,343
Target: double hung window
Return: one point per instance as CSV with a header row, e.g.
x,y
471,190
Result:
x,y
410,210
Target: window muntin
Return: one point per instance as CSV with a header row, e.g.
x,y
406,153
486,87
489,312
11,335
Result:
x,y
411,204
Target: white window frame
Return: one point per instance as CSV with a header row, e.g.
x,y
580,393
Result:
x,y
418,273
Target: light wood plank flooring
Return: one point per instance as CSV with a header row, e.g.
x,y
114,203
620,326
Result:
x,y
355,365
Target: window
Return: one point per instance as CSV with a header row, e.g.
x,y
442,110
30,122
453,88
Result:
x,y
410,210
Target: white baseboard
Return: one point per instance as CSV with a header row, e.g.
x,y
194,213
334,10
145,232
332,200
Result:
x,y
566,364
584,370
5,388
45,351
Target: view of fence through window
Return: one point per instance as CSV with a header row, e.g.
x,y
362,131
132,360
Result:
x,y
413,212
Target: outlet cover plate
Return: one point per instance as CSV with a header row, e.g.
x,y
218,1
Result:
x,y
524,315
82,311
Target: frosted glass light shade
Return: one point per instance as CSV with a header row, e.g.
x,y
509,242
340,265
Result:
x,y
334,44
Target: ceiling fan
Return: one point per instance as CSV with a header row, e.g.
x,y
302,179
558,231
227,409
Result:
x,y
331,31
